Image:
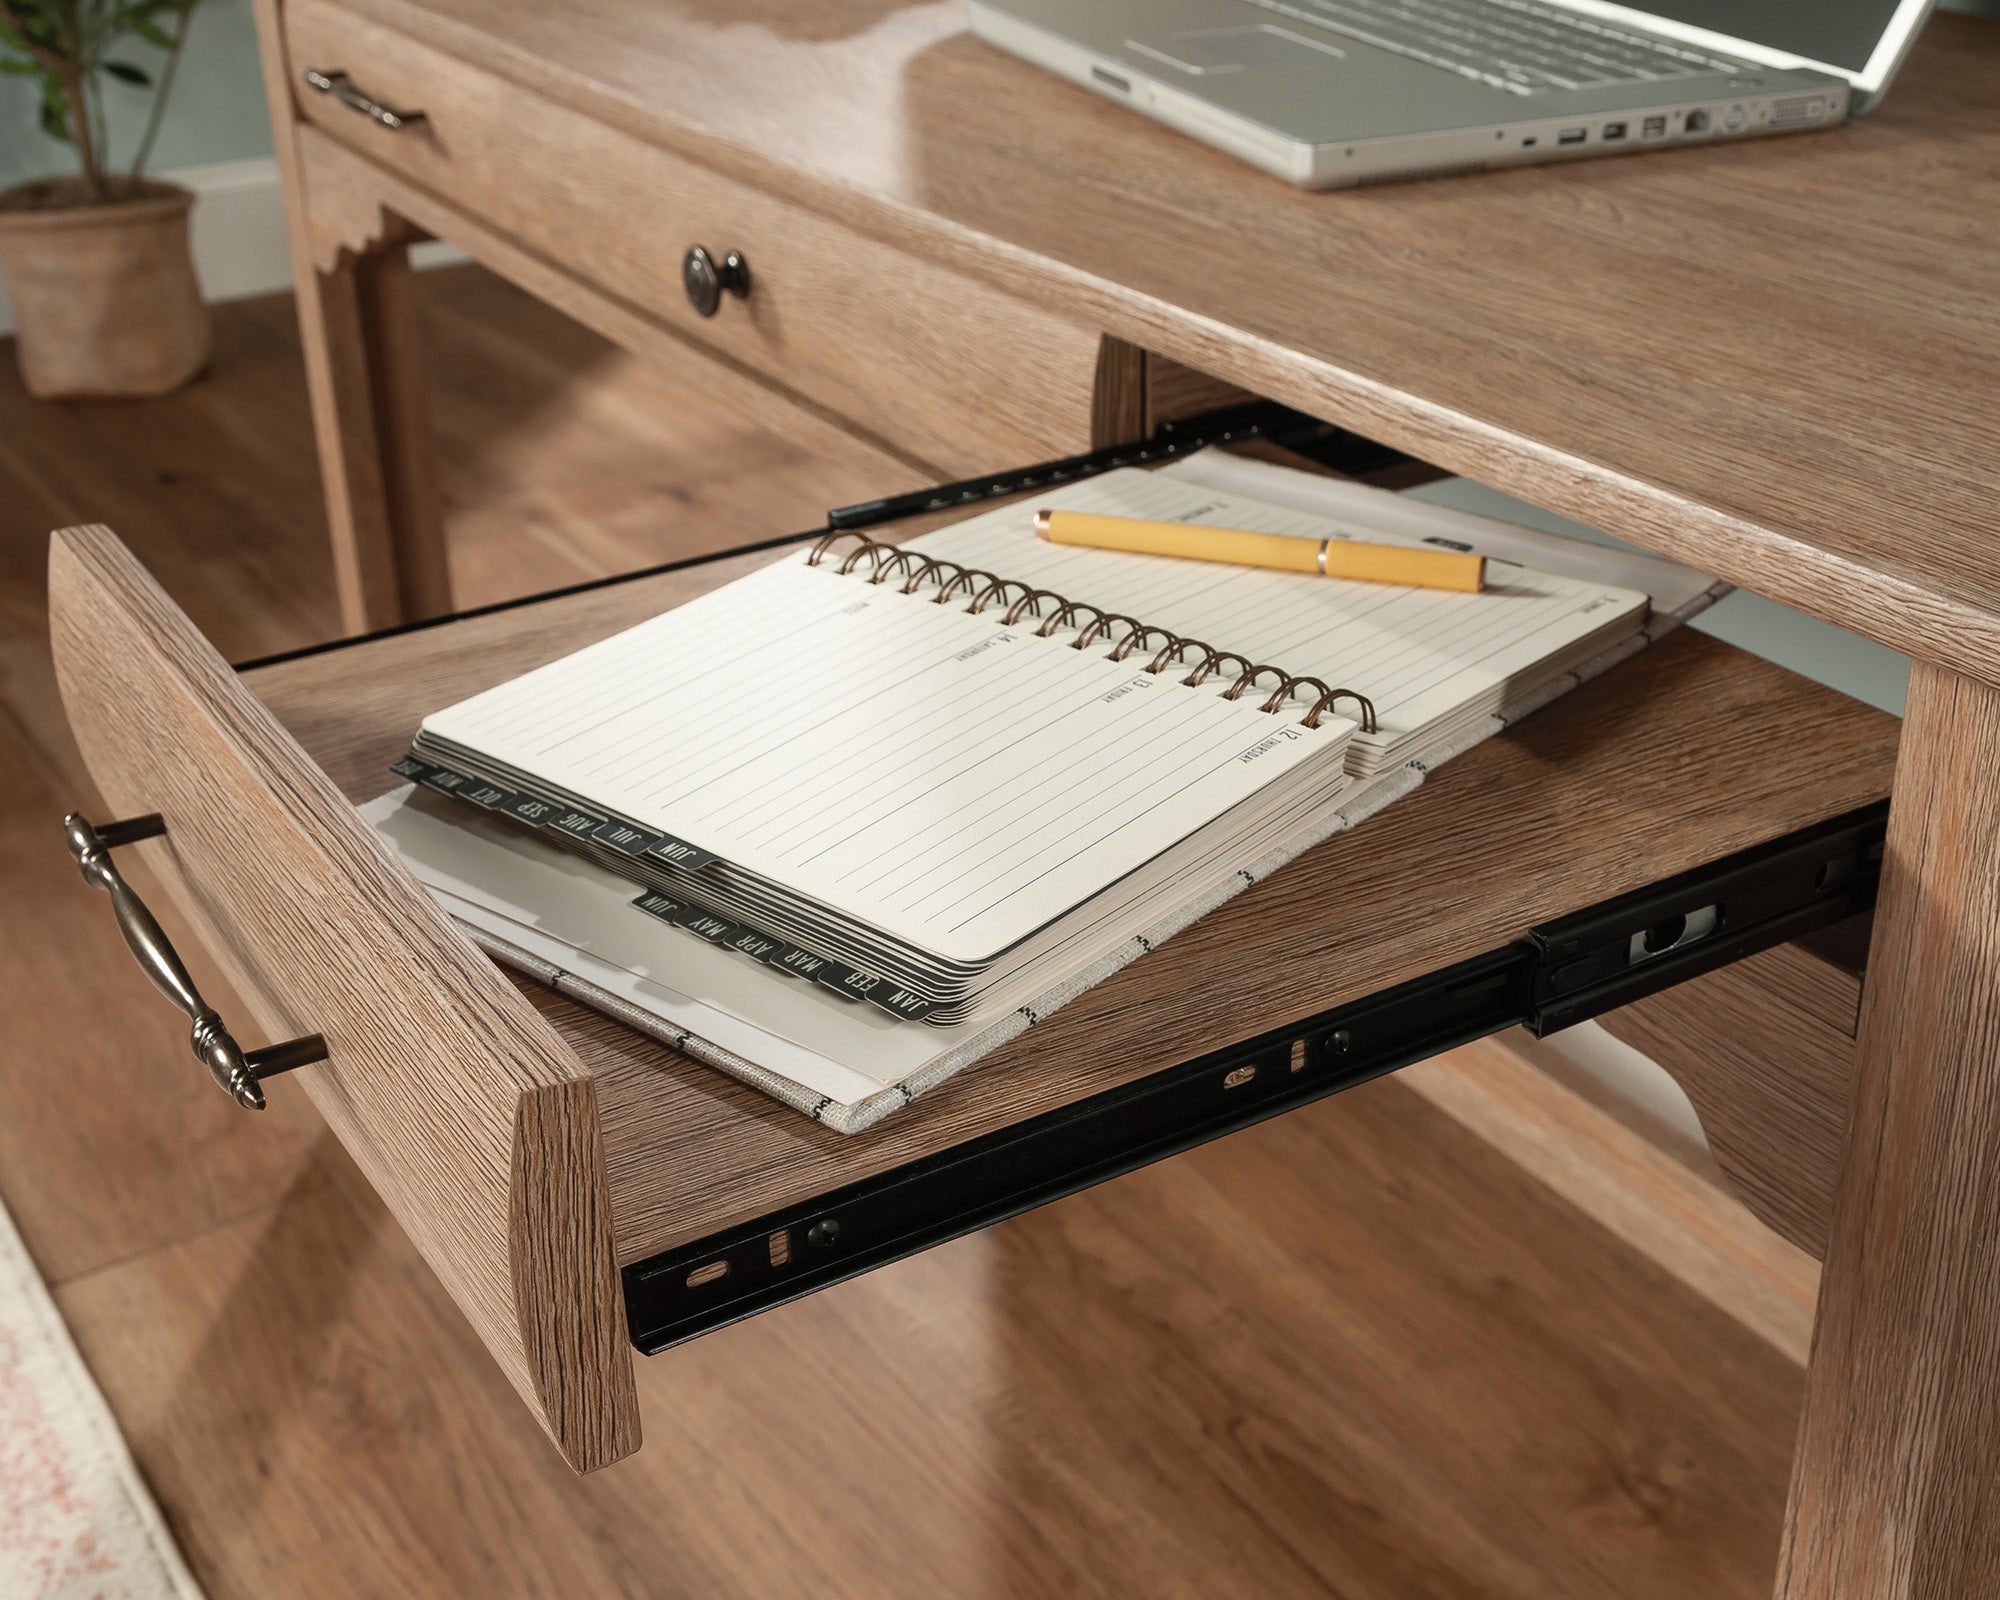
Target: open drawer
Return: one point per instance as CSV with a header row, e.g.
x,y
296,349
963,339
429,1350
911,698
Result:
x,y
582,1190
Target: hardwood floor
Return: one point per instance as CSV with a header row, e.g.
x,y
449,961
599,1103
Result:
x,y
1455,1334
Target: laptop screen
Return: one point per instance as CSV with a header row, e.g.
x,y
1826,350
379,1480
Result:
x,y
1842,33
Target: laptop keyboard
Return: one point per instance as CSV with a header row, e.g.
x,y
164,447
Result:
x,y
1515,45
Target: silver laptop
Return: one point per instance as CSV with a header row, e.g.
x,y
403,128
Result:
x,y
1332,92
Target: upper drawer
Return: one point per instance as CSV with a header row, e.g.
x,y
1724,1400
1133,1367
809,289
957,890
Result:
x,y
950,370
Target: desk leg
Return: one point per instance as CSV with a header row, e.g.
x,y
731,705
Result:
x,y
364,370
365,376
1896,1487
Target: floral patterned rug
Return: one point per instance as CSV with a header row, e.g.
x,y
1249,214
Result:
x,y
76,1520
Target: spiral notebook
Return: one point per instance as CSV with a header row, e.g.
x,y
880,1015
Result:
x,y
847,824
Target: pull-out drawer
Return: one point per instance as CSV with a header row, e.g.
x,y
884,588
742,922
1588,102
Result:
x,y
954,372
575,1185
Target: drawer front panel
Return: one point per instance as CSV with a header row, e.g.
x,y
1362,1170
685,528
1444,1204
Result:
x,y
474,1121
951,371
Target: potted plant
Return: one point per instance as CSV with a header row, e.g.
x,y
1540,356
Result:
x,y
97,263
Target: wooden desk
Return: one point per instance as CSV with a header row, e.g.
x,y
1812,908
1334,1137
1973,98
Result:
x,y
1773,360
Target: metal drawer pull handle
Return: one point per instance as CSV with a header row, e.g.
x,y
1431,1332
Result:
x,y
707,280
228,1064
341,87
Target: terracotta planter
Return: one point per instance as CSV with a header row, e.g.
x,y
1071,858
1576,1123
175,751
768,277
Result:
x,y
105,298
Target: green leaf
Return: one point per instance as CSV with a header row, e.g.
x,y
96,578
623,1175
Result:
x,y
54,123
125,72
18,69
152,33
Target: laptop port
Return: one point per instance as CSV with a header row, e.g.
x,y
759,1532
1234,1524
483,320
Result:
x,y
1697,122
1573,136
1613,131
1653,128
1111,80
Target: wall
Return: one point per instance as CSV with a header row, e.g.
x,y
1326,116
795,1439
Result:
x,y
216,112
216,139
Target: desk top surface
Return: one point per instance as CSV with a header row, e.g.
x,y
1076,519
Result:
x,y
1775,360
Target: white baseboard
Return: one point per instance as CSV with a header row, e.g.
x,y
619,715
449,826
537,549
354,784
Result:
x,y
238,233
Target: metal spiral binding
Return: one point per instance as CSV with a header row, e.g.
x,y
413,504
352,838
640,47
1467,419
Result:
x,y
885,563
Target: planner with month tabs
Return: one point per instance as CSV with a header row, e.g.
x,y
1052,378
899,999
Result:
x,y
916,792
845,825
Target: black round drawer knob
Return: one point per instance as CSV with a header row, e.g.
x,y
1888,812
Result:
x,y
705,278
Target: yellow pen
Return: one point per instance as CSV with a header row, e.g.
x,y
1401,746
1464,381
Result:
x,y
1330,558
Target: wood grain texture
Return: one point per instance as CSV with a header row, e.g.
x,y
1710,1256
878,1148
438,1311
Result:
x,y
109,1145
112,1143
1819,986
1174,390
1649,1122
1894,1495
385,314
708,378
954,371
1073,1411
567,458
1664,346
1766,1053
361,307
370,549
1358,1352
1490,846
1118,406
1645,1196
471,1117
1844,948
363,371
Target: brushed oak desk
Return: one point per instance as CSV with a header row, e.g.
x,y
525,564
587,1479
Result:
x,y
1774,361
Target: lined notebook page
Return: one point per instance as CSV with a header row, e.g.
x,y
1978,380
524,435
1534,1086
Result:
x,y
1418,654
953,781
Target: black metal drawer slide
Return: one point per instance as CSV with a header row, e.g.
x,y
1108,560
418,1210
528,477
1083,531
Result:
x,y
1552,977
